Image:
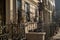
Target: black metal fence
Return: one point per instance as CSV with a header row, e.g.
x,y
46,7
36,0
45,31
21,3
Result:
x,y
12,31
17,31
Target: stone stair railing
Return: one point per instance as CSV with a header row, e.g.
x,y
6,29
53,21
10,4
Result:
x,y
30,26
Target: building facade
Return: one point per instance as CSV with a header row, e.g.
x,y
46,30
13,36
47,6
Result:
x,y
46,11
24,16
30,13
19,17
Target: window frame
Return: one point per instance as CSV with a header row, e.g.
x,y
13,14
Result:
x,y
27,11
19,9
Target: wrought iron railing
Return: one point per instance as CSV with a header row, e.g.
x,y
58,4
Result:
x,y
13,31
3,34
16,31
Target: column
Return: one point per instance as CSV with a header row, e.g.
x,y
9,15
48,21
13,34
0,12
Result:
x,y
11,11
7,11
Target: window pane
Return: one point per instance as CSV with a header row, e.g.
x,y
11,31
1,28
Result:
x,y
18,7
27,11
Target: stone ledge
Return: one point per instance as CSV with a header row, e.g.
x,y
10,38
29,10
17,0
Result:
x,y
35,36
36,33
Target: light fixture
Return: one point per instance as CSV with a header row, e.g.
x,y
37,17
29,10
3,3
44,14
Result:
x,y
41,1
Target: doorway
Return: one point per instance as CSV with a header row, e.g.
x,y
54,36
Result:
x,y
2,12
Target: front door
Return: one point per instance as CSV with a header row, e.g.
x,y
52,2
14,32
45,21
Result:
x,y
2,12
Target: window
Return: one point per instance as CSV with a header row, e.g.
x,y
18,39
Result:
x,y
19,6
27,11
35,15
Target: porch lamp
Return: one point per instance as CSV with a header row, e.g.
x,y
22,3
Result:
x,y
41,1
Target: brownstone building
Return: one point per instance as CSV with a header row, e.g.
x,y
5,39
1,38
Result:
x,y
46,11
18,17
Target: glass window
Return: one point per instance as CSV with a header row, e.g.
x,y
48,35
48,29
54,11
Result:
x,y
18,7
18,3
35,15
27,11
